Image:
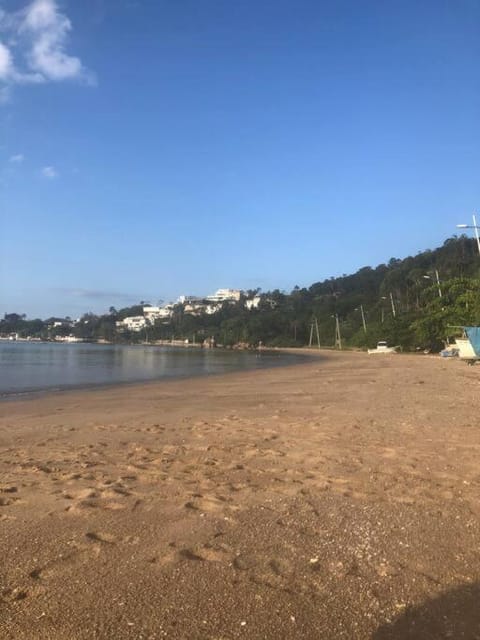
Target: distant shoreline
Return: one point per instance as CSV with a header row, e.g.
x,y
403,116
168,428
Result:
x,y
270,358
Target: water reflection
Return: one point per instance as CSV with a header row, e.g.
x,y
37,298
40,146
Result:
x,y
37,366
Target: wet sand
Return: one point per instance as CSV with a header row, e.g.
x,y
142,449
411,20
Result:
x,y
335,499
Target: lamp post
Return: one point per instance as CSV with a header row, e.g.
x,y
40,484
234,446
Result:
x,y
470,226
438,282
383,308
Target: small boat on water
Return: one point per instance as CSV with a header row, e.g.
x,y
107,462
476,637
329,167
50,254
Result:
x,y
382,347
469,345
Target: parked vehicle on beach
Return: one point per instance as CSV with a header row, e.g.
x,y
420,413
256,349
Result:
x,y
382,347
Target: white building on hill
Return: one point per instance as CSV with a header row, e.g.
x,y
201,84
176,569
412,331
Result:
x,y
189,300
133,323
225,295
253,303
157,313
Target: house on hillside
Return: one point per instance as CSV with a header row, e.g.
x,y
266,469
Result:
x,y
152,314
133,323
225,295
253,303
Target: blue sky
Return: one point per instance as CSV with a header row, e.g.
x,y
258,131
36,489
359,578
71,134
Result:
x,y
153,148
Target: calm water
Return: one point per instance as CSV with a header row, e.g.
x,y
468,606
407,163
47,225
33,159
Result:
x,y
27,367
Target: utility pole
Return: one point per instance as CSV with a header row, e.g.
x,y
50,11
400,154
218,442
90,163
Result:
x,y
476,232
393,305
338,337
318,333
438,279
363,319
313,324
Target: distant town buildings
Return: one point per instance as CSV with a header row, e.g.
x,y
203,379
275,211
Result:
x,y
87,327
190,305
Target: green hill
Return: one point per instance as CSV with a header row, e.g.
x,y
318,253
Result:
x,y
400,301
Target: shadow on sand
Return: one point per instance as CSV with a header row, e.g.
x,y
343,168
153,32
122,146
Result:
x,y
455,614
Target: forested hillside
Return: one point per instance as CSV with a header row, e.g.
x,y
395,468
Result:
x,y
415,302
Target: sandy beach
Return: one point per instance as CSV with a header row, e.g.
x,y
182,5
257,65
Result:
x,y
334,499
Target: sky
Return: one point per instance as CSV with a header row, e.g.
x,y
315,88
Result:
x,y
153,148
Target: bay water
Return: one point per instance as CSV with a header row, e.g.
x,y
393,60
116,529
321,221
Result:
x,y
27,367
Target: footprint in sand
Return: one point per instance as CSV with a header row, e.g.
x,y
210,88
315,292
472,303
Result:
x,y
17,593
276,576
163,559
204,553
78,553
83,494
64,563
6,502
210,503
105,538
244,562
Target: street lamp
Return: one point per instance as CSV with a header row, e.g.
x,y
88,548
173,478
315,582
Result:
x,y
427,277
383,308
474,226
392,303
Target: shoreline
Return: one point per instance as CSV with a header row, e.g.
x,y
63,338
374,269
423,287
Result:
x,y
39,392
318,500
102,391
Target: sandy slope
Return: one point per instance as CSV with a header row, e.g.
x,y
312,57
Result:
x,y
336,499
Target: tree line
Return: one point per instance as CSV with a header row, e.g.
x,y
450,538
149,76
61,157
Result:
x,y
417,302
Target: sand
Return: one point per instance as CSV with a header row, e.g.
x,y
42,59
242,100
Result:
x,y
333,499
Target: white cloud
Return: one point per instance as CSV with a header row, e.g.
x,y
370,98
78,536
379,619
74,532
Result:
x,y
36,53
17,158
41,14
49,172
48,30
